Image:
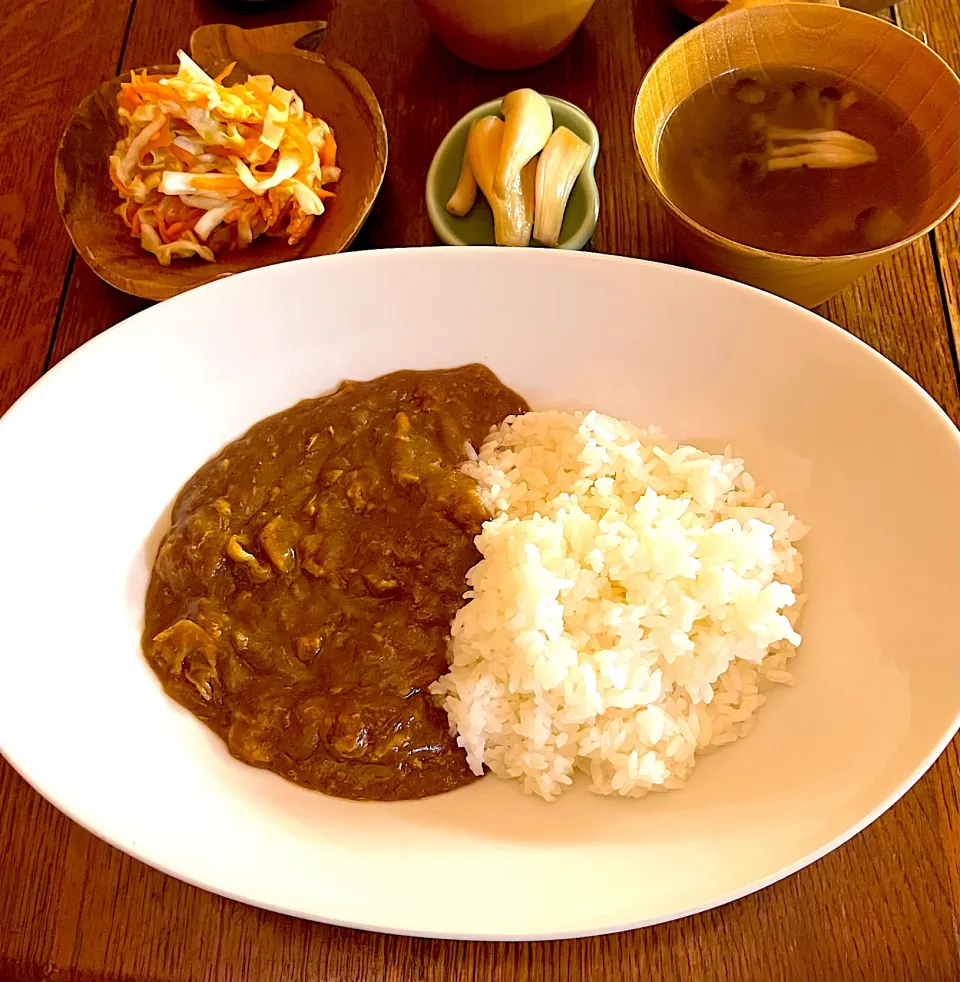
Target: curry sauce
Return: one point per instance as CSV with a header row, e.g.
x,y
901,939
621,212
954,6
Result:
x,y
300,604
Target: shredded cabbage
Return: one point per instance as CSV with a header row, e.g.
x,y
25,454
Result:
x,y
211,219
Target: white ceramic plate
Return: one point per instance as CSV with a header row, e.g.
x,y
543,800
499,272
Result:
x,y
94,453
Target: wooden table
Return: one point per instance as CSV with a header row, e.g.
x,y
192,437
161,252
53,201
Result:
x,y
884,906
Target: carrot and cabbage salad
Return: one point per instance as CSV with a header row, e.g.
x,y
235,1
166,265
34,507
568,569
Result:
x,y
205,167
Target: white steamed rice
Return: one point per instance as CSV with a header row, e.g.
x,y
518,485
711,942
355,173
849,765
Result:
x,y
634,601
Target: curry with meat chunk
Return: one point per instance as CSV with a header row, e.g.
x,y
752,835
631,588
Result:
x,y
300,604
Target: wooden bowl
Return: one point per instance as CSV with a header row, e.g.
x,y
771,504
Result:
x,y
505,34
851,44
330,89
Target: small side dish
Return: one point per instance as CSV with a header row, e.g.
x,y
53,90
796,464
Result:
x,y
525,169
204,168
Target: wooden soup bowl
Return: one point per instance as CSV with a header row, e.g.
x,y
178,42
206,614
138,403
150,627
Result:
x,y
851,44
505,34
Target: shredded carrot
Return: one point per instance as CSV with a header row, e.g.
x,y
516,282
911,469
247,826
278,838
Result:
x,y
176,230
328,157
183,155
217,182
302,143
128,98
240,92
219,78
298,228
175,210
116,183
154,88
274,228
251,132
135,223
163,137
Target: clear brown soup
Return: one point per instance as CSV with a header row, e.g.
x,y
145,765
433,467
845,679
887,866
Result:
x,y
745,155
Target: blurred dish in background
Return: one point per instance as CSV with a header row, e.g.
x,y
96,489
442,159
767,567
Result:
x,y
865,52
505,34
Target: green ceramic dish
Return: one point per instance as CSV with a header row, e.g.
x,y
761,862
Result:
x,y
476,228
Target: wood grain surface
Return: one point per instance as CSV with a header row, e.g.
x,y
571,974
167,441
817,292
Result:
x,y
883,907
52,52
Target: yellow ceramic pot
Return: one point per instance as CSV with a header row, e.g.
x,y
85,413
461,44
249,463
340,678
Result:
x,y
505,34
